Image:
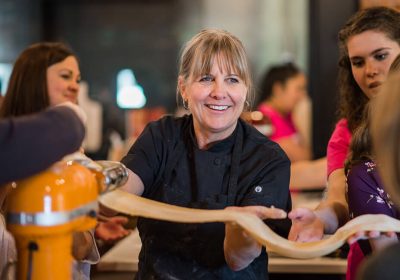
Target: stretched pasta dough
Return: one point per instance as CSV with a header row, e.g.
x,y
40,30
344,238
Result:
x,y
130,204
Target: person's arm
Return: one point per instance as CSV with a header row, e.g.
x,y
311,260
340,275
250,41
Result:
x,y
333,209
308,174
82,245
134,185
239,248
332,212
294,149
302,119
32,143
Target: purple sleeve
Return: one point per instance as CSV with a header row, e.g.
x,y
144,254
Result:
x,y
365,192
30,144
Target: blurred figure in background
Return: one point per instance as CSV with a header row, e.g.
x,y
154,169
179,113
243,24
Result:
x,y
283,88
366,194
62,132
47,75
385,130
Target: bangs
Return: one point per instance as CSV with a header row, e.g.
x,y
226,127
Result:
x,y
225,53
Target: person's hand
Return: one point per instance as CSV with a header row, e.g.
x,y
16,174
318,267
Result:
x,y
112,229
261,211
362,235
240,249
77,110
306,225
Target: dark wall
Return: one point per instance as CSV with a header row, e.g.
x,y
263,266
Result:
x,y
112,35
326,19
20,26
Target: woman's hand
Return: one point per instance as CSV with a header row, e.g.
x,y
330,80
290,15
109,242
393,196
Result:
x,y
306,225
377,239
239,248
112,229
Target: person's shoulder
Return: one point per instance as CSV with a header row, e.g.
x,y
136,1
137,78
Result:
x,y
341,132
342,125
255,141
169,125
361,168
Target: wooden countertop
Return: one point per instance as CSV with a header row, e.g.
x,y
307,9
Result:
x,y
124,257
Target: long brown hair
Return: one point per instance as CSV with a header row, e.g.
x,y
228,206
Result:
x,y
361,147
27,89
361,144
385,130
352,99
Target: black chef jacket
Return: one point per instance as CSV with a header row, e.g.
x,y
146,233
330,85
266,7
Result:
x,y
243,169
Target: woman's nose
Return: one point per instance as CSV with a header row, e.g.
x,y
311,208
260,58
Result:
x,y
219,90
74,86
371,69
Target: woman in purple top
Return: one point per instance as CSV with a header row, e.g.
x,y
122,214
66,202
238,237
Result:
x,y
365,193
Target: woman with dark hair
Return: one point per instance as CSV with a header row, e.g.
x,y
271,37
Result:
x,y
369,42
46,75
29,90
282,89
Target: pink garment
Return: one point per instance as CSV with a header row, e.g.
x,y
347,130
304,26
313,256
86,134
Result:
x,y
283,126
338,146
354,259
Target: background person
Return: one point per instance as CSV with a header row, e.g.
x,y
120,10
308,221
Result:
x,y
46,75
369,42
282,89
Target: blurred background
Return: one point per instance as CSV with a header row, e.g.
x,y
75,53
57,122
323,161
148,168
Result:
x,y
137,43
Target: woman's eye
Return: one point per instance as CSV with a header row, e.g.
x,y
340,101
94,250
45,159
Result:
x,y
65,76
233,80
357,63
206,79
381,56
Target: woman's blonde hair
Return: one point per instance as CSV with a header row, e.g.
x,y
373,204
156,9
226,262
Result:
x,y
385,129
210,45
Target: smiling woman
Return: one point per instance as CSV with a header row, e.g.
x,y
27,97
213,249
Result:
x,y
63,81
209,159
46,75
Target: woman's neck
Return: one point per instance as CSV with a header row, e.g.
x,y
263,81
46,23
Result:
x,y
206,139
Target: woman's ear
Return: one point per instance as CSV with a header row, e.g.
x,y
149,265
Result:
x,y
182,87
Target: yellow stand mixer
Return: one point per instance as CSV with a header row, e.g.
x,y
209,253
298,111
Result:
x,y
46,209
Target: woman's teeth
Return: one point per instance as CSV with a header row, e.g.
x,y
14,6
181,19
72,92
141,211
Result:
x,y
218,107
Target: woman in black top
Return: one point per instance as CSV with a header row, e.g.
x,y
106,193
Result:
x,y
209,159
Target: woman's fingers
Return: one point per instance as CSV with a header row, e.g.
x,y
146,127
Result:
x,y
262,212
